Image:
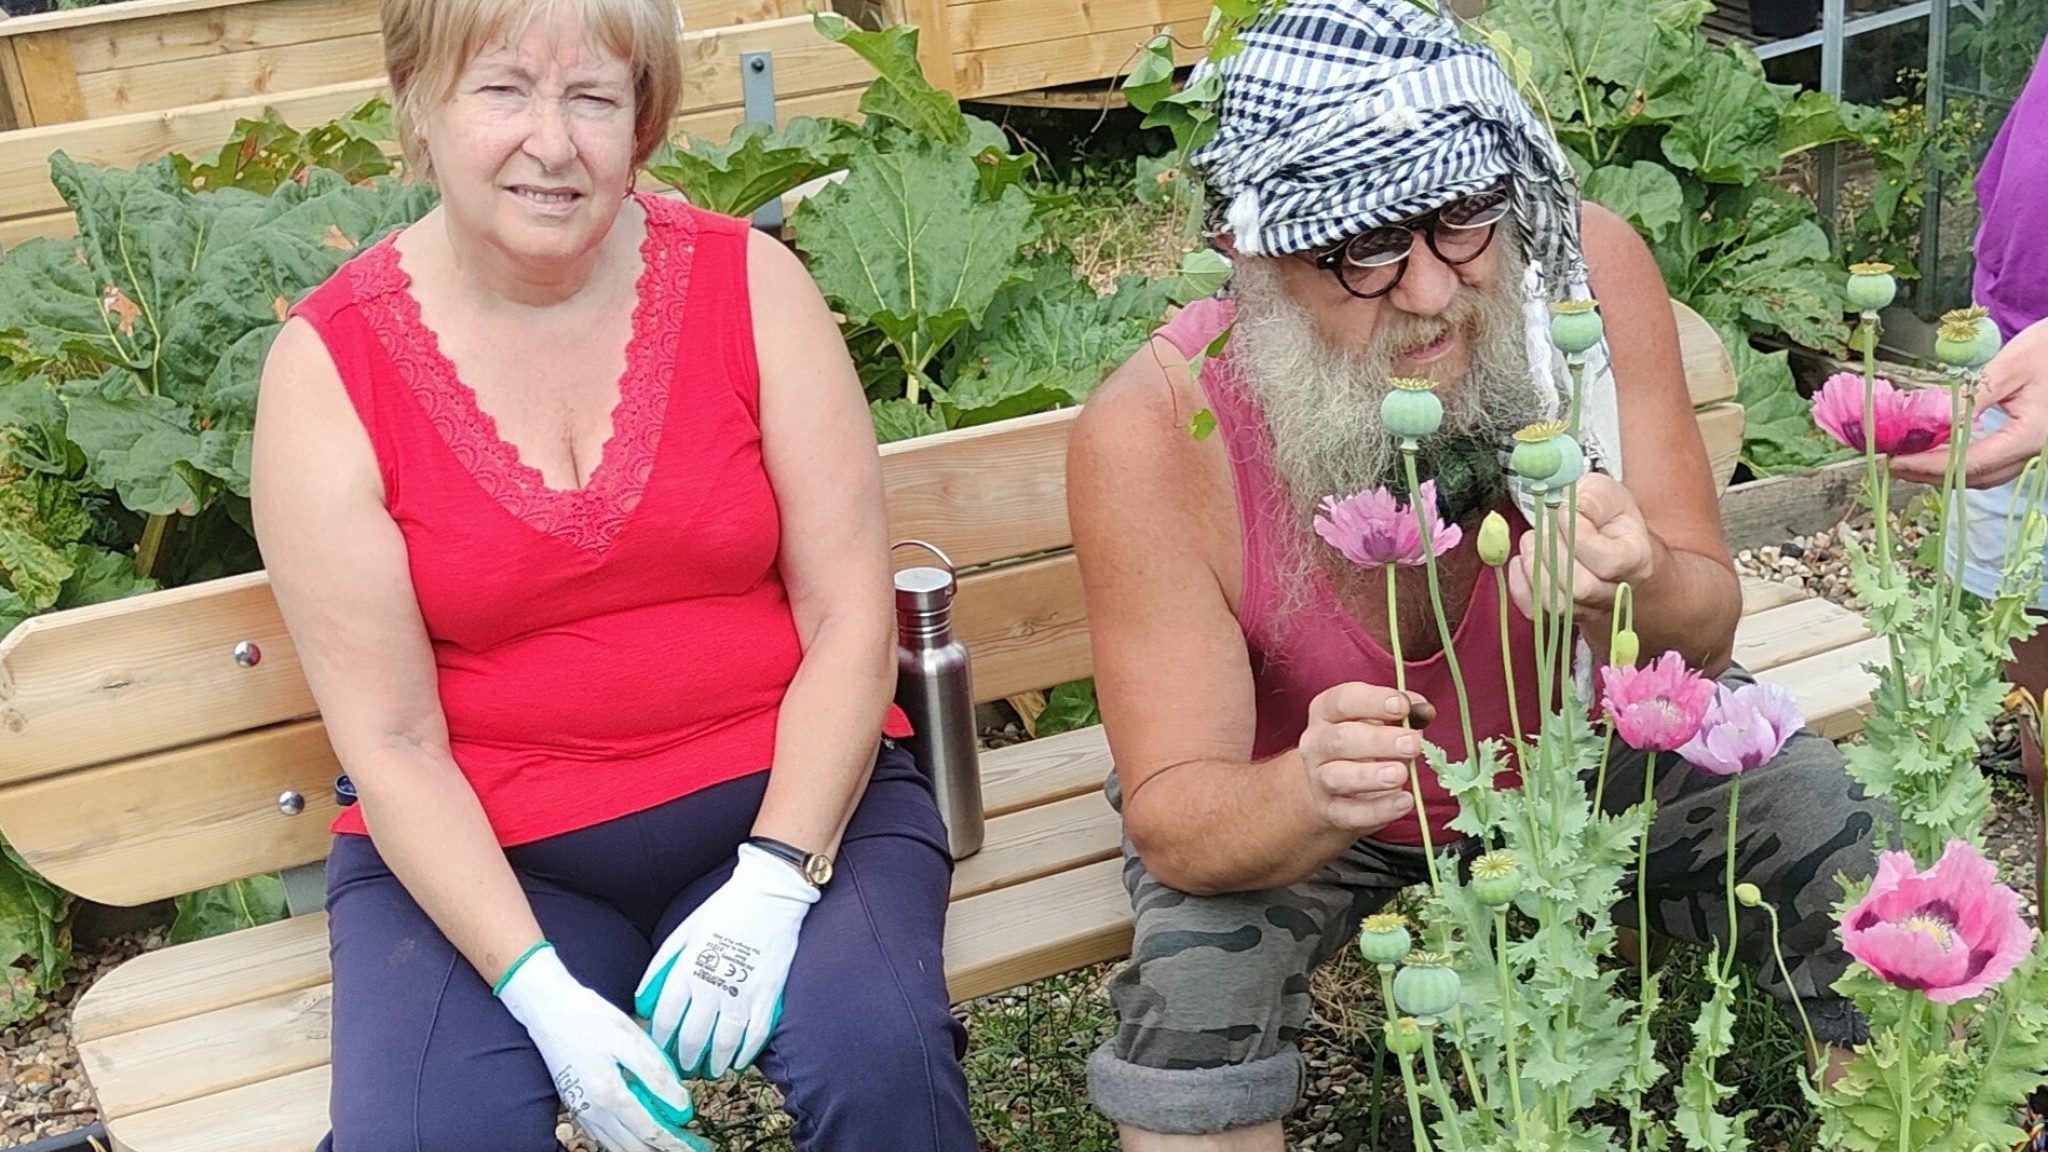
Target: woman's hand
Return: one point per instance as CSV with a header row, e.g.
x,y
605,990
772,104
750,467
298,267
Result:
x,y
1613,546
2016,381
613,1081
713,993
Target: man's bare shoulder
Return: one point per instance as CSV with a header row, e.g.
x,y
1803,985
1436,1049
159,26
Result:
x,y
1142,419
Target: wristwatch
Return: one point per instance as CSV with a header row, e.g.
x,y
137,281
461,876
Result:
x,y
814,867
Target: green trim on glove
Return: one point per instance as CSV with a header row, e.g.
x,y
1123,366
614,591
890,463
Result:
x,y
499,988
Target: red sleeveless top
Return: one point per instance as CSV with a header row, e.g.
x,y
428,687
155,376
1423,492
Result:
x,y
1298,654
610,648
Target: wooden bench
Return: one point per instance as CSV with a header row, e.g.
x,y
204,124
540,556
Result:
x,y
140,759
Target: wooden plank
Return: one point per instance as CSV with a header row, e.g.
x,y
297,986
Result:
x,y
1039,842
1759,594
163,663
257,71
1795,631
202,1056
805,62
983,494
1067,60
933,19
1045,770
56,225
1017,935
14,109
1832,688
1025,626
144,829
221,31
131,140
809,77
1774,510
1003,23
205,976
1721,430
136,139
1709,373
288,1114
51,80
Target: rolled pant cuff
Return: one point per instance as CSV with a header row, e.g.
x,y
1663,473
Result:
x,y
1195,1101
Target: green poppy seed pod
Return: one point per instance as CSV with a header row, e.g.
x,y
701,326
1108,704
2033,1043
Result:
x,y
1537,453
1871,287
1404,1037
1749,895
1571,464
1967,338
1383,939
1575,326
1494,544
1624,649
1496,880
1427,987
1411,409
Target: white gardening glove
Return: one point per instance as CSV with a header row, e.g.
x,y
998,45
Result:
x,y
713,994
614,1082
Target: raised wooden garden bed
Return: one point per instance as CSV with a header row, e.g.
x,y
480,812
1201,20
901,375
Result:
x,y
988,48
124,84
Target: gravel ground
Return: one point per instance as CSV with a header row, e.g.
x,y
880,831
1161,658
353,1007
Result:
x,y
1027,1045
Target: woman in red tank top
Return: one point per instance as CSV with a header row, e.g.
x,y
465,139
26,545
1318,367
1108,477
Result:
x,y
570,500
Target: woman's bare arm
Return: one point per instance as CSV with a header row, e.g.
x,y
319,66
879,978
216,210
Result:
x,y
337,565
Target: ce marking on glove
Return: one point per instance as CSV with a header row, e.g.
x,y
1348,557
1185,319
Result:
x,y
570,1089
726,963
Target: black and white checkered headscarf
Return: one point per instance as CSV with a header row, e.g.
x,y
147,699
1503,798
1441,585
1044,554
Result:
x,y
1345,115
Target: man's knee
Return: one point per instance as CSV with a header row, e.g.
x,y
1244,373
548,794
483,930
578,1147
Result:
x,y
1210,1006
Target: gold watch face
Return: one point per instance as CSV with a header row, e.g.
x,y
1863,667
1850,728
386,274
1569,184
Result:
x,y
818,869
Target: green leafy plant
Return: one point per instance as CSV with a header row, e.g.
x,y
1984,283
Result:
x,y
264,153
1688,142
928,245
1882,222
35,939
129,357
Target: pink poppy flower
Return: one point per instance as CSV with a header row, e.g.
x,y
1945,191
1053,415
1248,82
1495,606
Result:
x,y
1951,931
1909,420
1744,727
1374,530
1657,707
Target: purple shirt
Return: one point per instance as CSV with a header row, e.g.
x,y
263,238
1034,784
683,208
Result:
x,y
2012,260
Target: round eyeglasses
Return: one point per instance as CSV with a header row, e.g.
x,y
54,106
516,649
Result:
x,y
1370,264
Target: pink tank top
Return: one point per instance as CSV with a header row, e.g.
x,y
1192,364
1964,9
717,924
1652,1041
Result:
x,y
1296,655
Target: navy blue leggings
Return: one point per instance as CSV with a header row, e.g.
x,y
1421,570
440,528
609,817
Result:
x,y
867,1054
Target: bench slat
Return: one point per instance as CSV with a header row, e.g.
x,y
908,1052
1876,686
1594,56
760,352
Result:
x,y
287,1114
1025,626
1832,688
1039,842
205,976
983,494
1794,632
142,829
1043,770
1047,813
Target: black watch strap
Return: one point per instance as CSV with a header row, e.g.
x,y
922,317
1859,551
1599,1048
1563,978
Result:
x,y
813,866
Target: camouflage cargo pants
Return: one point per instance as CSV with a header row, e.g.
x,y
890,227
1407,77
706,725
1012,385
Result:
x,y
1217,988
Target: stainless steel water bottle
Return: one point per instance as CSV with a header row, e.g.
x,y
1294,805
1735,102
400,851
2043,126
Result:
x,y
934,689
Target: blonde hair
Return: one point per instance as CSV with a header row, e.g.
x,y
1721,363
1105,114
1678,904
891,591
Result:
x,y
427,44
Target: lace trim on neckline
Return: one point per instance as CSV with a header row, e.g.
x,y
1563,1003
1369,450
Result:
x,y
593,517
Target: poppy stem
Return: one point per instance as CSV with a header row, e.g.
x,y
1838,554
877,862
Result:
x,y
1728,874
1401,686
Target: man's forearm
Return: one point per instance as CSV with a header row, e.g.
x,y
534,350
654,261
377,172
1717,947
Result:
x,y
1690,606
1212,826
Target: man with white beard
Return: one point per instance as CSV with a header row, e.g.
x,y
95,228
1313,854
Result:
x,y
1392,209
